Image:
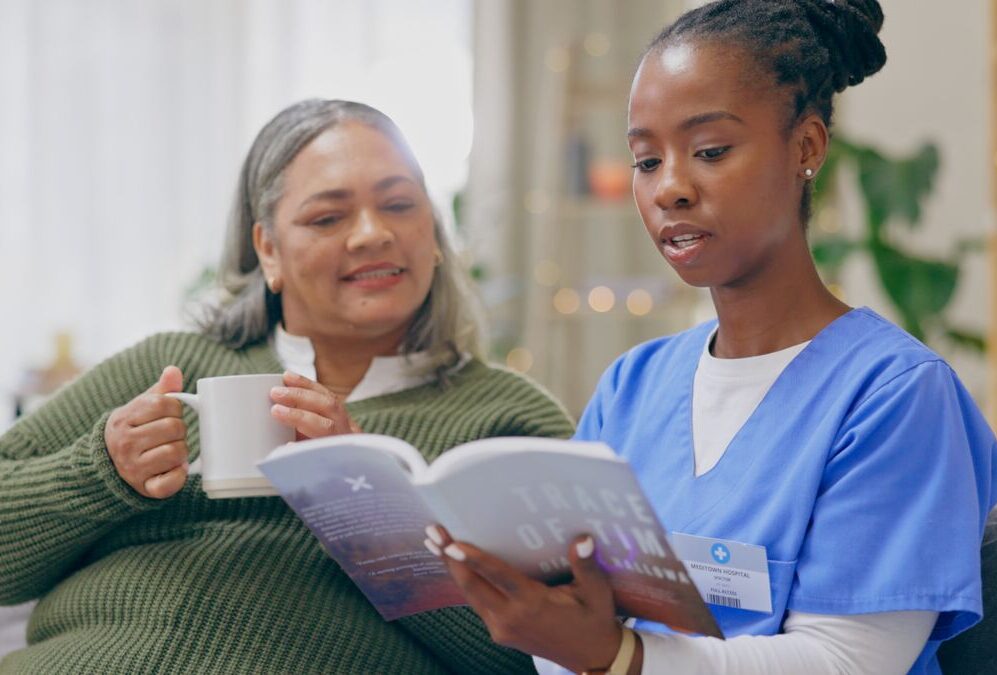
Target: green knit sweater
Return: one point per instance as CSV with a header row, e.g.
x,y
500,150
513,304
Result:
x,y
187,584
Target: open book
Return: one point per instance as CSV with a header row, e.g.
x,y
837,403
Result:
x,y
368,499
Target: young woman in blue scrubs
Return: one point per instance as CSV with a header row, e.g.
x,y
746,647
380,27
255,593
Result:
x,y
825,434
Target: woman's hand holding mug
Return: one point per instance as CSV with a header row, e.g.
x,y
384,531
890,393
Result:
x,y
310,408
147,439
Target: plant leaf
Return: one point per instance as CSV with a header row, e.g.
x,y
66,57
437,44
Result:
x,y
967,339
919,288
895,188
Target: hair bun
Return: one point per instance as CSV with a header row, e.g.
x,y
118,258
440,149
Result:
x,y
849,29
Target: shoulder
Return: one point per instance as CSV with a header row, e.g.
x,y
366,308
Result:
x,y
180,348
512,395
874,353
501,381
867,333
195,354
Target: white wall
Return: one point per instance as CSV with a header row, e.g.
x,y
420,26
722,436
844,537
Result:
x,y
934,87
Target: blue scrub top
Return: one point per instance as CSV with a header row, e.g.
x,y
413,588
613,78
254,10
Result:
x,y
866,472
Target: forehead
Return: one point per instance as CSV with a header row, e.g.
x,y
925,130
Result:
x,y
691,78
348,152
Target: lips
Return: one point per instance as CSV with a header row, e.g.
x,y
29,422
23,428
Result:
x,y
685,240
373,272
682,243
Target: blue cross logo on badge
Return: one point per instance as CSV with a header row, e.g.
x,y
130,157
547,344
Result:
x,y
720,553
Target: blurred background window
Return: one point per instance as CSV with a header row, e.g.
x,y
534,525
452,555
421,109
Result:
x,y
122,126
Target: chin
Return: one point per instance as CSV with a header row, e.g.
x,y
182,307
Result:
x,y
377,324
697,278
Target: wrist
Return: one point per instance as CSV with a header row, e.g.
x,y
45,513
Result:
x,y
624,662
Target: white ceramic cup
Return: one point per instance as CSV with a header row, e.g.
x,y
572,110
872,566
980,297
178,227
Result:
x,y
237,430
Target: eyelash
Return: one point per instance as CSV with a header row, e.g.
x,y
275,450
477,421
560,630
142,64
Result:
x,y
649,165
721,151
644,165
326,221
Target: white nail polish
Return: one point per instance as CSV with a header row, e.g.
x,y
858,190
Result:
x,y
585,548
433,548
454,552
433,533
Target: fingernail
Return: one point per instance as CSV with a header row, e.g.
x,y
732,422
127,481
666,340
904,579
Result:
x,y
280,409
278,391
434,533
585,547
454,552
433,548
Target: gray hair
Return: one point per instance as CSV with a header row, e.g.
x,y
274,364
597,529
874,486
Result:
x,y
446,325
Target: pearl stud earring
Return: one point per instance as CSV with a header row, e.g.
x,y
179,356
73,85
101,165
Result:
x,y
808,172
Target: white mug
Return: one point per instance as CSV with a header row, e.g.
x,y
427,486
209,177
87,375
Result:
x,y
237,430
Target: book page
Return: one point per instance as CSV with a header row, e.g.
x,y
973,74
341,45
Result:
x,y
361,506
528,507
483,449
411,460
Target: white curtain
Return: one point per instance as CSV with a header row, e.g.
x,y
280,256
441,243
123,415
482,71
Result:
x,y
122,125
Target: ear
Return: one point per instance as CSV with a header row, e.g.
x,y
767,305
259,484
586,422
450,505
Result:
x,y
266,251
811,140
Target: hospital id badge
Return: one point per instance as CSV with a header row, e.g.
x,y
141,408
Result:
x,y
727,573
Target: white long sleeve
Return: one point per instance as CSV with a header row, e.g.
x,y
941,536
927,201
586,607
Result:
x,y
817,644
881,643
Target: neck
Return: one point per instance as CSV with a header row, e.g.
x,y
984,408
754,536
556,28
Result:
x,y
781,306
340,363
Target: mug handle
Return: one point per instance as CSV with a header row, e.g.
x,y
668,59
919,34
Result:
x,y
189,399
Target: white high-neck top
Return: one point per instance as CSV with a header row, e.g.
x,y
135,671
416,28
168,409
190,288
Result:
x,y
386,375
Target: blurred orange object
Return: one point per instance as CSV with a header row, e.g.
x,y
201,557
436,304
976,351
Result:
x,y
610,179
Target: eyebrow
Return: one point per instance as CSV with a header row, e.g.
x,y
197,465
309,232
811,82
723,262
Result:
x,y
344,193
694,121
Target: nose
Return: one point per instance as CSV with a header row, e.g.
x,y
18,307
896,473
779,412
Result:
x,y
369,232
675,187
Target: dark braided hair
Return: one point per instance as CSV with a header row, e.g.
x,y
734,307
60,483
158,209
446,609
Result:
x,y
813,48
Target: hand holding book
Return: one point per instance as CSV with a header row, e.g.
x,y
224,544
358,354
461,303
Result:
x,y
572,624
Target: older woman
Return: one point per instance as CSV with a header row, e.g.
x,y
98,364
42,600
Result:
x,y
338,274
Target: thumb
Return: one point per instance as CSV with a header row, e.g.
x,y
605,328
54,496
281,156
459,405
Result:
x,y
170,380
588,575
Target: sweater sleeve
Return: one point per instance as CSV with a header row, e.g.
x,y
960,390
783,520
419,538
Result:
x,y
534,412
60,490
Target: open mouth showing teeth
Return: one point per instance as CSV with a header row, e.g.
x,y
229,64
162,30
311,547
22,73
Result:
x,y
375,274
686,240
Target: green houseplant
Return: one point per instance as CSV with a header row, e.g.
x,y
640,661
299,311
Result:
x,y
893,190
